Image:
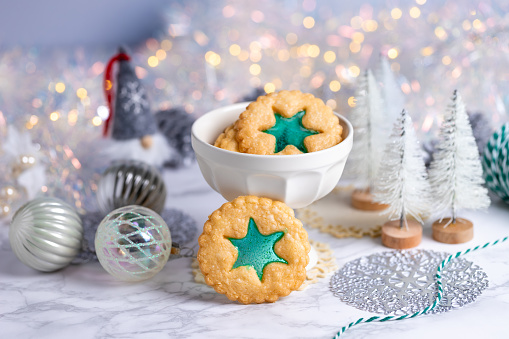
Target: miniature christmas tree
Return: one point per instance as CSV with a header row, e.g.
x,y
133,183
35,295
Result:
x,y
392,96
367,120
456,175
402,185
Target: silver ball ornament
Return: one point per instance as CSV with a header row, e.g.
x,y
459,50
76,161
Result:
x,y
131,183
46,234
133,243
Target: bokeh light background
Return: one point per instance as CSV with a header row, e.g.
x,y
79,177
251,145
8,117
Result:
x,y
213,53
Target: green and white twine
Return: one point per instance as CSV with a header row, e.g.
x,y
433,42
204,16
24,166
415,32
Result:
x,y
495,163
437,299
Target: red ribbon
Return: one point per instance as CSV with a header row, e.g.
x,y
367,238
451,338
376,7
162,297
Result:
x,y
108,87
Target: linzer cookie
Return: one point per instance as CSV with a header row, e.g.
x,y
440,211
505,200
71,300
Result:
x,y
226,140
287,122
253,250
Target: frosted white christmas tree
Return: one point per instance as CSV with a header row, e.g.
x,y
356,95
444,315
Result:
x,y
392,96
456,173
402,179
367,120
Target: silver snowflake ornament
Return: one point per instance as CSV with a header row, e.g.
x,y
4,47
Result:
x,y
403,282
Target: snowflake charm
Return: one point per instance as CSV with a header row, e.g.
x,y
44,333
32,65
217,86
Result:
x,y
134,95
403,282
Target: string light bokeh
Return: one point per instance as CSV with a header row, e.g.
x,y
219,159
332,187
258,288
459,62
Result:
x,y
214,53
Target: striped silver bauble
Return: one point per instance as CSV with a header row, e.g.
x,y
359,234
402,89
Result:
x,y
131,183
46,234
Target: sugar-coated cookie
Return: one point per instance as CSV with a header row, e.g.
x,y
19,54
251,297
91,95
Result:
x,y
287,122
253,250
226,140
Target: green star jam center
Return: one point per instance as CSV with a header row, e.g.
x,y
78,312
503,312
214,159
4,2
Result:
x,y
257,250
290,131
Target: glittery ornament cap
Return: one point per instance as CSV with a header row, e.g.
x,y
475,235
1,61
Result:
x,y
132,117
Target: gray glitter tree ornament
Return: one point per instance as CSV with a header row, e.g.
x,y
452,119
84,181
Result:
x,y
183,228
90,221
253,95
481,129
131,113
403,282
175,124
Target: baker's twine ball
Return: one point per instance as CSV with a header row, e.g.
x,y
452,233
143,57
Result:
x,y
495,162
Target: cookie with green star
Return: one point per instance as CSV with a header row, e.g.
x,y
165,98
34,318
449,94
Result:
x,y
287,122
253,250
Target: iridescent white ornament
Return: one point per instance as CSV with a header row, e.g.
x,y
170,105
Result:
x,y
133,243
46,234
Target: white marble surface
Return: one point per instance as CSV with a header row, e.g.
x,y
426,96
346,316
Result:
x,y
85,302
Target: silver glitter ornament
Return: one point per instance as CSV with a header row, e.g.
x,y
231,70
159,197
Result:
x,y
403,282
131,183
90,221
133,243
175,124
183,228
46,234
481,130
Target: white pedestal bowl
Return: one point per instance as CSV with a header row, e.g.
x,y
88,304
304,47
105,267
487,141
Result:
x,y
296,180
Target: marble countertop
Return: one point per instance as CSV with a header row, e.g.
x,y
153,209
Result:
x,y
86,302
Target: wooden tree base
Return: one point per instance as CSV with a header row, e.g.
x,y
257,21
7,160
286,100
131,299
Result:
x,y
459,232
393,236
363,200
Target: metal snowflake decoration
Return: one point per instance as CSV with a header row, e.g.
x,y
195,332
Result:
x,y
135,97
403,282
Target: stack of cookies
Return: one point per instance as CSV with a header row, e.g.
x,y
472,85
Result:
x,y
283,123
253,249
